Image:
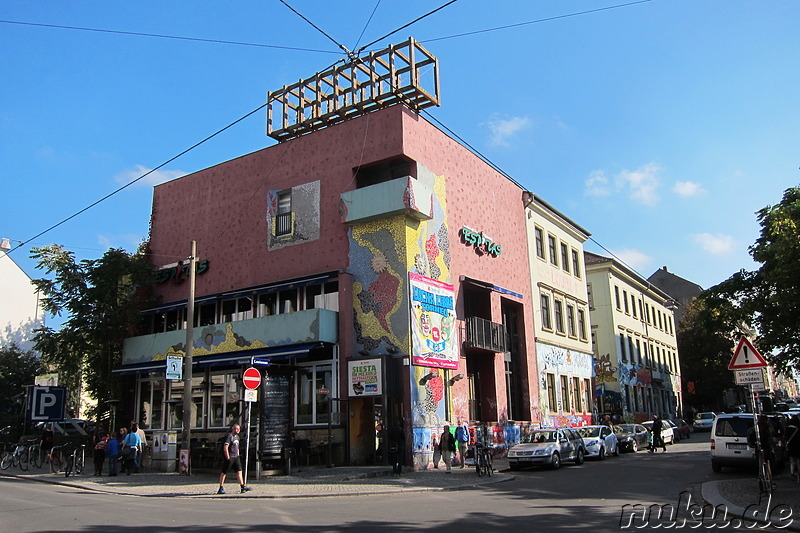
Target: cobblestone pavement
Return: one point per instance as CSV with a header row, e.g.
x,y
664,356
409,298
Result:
x,y
338,481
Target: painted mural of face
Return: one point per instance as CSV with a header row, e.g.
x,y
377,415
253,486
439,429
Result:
x,y
425,324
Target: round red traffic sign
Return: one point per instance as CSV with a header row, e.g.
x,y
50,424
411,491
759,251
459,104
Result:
x,y
251,378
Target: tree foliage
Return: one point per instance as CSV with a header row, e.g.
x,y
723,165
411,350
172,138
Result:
x,y
17,369
101,303
769,298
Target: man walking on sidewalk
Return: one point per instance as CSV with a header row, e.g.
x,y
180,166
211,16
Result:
x,y
230,449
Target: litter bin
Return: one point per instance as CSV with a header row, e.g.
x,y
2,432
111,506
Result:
x,y
165,445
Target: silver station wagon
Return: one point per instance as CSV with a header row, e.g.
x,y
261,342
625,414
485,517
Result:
x,y
547,447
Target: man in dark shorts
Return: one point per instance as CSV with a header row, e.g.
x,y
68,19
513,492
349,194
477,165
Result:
x,y
230,449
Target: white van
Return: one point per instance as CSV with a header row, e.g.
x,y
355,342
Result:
x,y
729,445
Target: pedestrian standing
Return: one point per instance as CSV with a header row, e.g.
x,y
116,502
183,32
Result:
x,y
112,453
142,447
437,450
793,447
658,439
448,443
397,448
462,438
230,451
99,455
131,446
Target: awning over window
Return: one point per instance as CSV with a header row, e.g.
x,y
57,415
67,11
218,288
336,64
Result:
x,y
274,353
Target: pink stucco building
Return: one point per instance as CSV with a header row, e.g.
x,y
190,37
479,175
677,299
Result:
x,y
380,267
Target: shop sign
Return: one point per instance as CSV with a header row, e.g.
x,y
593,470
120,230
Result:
x,y
432,322
179,272
365,377
483,243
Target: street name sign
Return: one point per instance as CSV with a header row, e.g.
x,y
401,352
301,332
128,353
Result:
x,y
746,356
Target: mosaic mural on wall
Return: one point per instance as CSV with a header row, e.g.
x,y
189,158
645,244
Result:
x,y
562,362
382,253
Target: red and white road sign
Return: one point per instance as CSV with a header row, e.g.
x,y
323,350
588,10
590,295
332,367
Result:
x,y
251,378
746,356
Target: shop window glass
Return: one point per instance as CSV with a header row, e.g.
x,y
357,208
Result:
x,y
267,304
311,406
288,301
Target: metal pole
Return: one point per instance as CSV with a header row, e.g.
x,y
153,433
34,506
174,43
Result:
x,y
187,360
247,445
330,432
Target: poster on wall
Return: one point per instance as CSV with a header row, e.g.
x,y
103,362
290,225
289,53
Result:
x,y
433,324
365,377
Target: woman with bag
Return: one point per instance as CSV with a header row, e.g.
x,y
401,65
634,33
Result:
x,y
131,446
99,455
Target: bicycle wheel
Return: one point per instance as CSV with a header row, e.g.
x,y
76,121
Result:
x,y
6,460
55,461
489,468
23,459
79,460
35,454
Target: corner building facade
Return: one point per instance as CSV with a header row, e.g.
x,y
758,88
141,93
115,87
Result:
x,y
378,266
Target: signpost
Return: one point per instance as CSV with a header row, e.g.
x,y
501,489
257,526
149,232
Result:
x,y
46,404
748,366
251,378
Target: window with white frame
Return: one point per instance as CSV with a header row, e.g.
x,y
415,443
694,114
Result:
x,y
151,403
565,398
223,399
571,320
582,324
311,404
576,263
565,257
551,245
551,393
545,303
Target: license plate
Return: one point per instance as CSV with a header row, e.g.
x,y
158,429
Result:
x,y
737,446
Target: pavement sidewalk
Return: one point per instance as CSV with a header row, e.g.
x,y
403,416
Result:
x,y
313,482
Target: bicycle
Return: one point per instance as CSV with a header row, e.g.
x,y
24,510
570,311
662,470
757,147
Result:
x,y
765,481
483,460
75,461
35,453
57,459
19,457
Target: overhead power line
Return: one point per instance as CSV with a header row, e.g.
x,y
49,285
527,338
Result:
x,y
406,25
337,43
534,21
168,161
161,36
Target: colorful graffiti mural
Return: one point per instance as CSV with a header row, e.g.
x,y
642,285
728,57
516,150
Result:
x,y
560,361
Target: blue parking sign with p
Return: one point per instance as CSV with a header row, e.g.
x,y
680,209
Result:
x,y
46,404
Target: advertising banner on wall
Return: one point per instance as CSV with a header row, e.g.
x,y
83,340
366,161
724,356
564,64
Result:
x,y
365,377
433,322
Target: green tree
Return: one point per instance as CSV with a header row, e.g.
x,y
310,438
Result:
x,y
706,339
769,298
102,304
17,370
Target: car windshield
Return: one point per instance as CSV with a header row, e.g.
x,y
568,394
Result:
x,y
589,431
540,436
628,428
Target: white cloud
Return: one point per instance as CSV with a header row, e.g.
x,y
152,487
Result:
x,y
154,178
641,183
688,188
714,244
597,184
633,258
502,129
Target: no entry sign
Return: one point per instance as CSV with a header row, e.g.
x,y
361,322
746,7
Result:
x,y
251,378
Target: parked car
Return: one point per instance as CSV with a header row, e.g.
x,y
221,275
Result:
x,y
684,429
729,443
547,447
704,421
667,434
631,437
676,433
599,441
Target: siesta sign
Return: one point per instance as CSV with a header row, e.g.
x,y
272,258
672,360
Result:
x,y
483,243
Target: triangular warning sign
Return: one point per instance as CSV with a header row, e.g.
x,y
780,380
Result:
x,y
746,356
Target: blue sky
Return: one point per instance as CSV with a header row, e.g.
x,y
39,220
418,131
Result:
x,y
661,127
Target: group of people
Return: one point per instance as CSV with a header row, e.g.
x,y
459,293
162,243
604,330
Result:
x,y
450,446
124,449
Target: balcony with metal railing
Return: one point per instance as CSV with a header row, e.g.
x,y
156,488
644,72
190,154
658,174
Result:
x,y
485,335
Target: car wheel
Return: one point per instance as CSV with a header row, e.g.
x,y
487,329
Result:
x,y
634,446
555,462
716,467
579,456
602,454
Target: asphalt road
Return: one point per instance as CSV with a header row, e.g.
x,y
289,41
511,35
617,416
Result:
x,y
588,497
